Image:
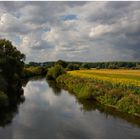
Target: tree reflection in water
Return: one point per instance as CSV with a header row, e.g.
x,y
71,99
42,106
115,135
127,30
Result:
x,y
55,87
7,113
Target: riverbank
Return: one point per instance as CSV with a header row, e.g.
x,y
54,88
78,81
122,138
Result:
x,y
122,98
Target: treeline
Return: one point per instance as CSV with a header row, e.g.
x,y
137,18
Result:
x,y
114,65
88,65
59,67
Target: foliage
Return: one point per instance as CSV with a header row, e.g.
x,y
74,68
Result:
x,y
130,104
11,60
97,65
11,71
3,83
85,66
61,63
54,72
44,64
72,66
3,99
34,71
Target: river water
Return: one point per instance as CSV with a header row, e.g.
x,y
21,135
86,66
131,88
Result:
x,y
51,112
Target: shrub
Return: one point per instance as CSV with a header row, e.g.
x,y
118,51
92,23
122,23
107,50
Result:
x,y
129,104
54,72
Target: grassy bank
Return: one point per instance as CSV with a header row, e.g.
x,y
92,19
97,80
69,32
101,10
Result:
x,y
117,89
34,71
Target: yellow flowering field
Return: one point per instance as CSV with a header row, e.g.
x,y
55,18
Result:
x,y
118,76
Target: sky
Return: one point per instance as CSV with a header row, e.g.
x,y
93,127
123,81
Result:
x,y
73,31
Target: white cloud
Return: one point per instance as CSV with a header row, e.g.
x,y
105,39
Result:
x,y
101,31
11,24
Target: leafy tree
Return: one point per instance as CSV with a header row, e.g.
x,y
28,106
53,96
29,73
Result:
x,y
62,63
54,72
11,60
11,71
84,66
72,66
3,99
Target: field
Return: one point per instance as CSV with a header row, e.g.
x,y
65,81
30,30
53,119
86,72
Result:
x,y
116,88
129,78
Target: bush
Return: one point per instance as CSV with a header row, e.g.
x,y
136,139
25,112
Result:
x,y
129,104
54,72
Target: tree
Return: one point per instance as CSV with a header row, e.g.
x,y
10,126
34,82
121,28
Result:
x,y
84,66
72,66
11,70
54,72
62,63
11,60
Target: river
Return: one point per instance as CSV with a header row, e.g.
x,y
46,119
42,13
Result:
x,y
51,112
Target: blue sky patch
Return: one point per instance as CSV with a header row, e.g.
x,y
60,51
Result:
x,y
68,17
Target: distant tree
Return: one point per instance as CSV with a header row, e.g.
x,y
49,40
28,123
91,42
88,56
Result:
x,y
84,66
112,66
62,63
72,66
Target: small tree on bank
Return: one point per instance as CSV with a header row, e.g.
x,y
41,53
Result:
x,y
54,72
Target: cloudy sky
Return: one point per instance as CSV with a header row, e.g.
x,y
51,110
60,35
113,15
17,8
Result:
x,y
80,31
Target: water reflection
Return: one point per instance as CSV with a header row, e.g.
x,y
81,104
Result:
x,y
55,87
52,112
88,105
92,105
7,113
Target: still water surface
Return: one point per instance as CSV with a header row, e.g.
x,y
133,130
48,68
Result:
x,y
51,112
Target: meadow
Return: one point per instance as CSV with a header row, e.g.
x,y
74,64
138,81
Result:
x,y
122,77
118,88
